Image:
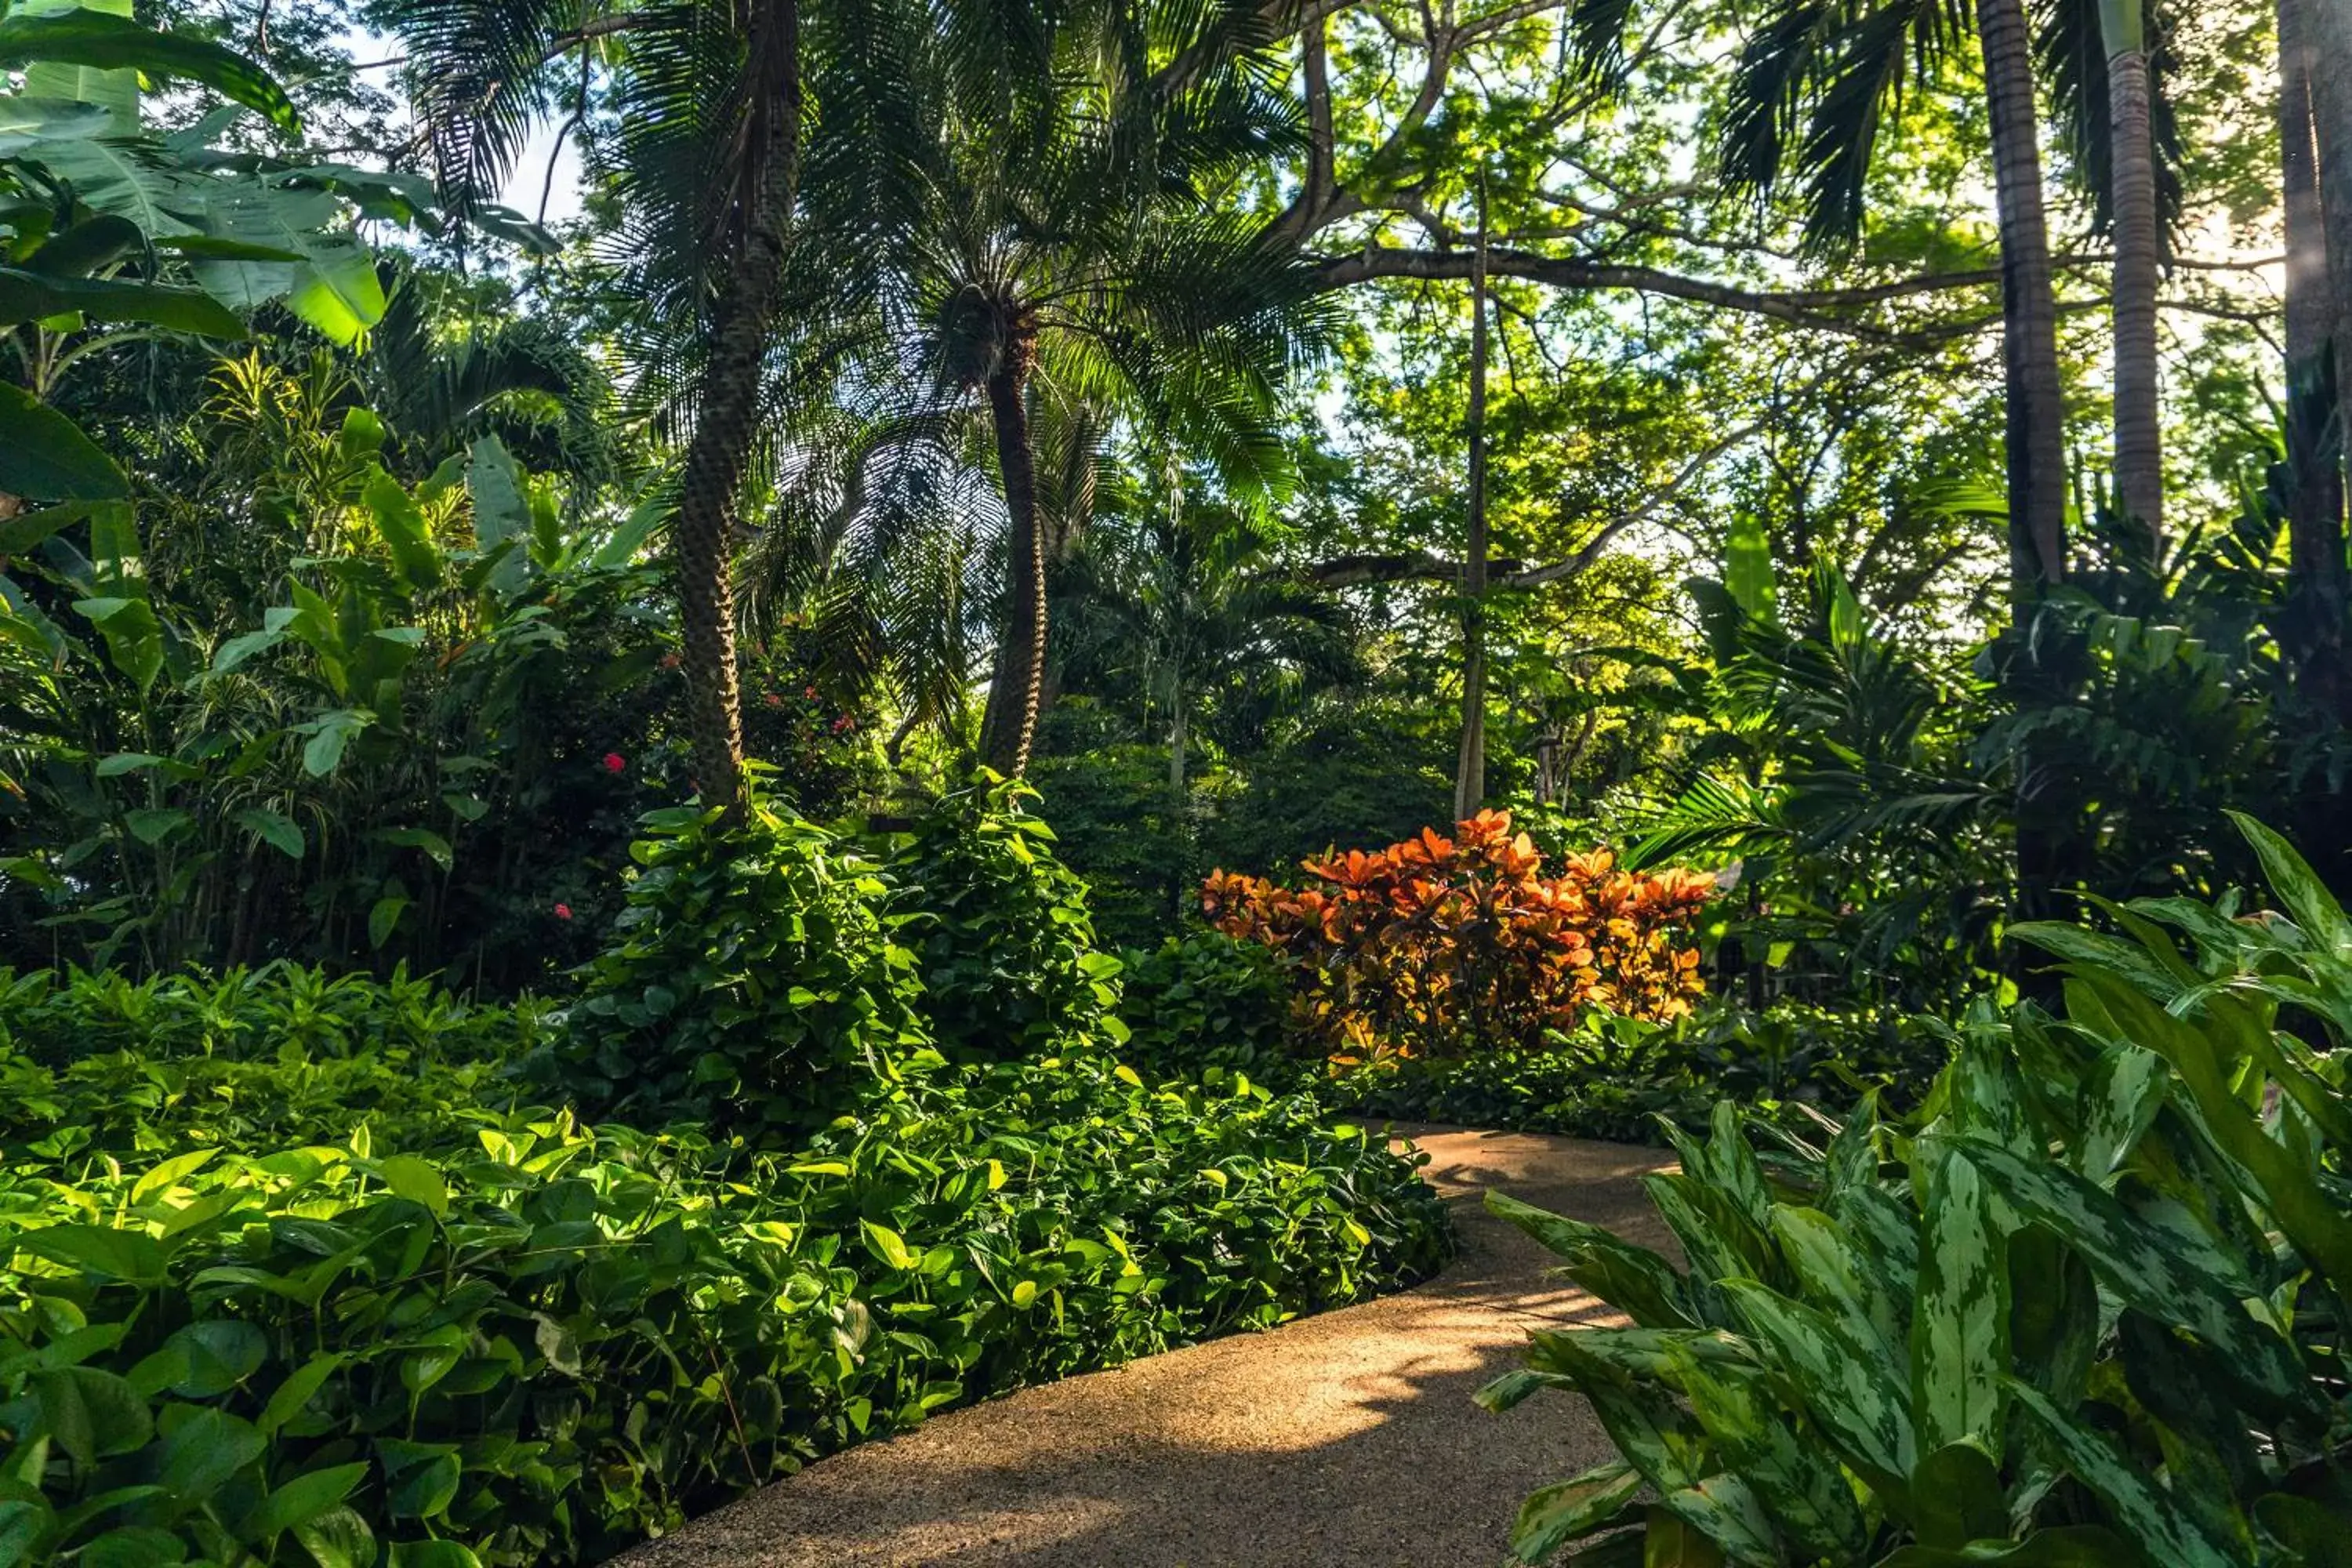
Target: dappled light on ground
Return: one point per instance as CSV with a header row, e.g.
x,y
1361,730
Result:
x,y
1347,1438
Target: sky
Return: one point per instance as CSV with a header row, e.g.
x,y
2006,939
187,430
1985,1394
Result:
x,y
531,176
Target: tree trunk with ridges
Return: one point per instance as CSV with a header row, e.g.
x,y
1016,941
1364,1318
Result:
x,y
1010,723
727,413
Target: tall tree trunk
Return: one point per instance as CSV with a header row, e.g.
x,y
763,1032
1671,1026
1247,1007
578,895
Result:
x,y
2139,440
727,408
2036,411
1011,724
1470,771
2314,476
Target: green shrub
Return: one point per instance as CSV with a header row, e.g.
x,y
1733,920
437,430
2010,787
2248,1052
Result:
x,y
544,1349
263,1058
1206,1000
1615,1077
2086,1308
753,982
57,1018
1002,941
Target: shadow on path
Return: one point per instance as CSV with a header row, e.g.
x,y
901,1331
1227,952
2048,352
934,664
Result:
x,y
1346,1438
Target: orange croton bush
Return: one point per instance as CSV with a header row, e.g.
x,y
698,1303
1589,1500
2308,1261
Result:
x,y
1436,945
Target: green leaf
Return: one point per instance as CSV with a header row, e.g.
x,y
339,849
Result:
x,y
383,918
203,1452
2125,1090
83,37
302,1500
91,1414
437,848
419,1181
1845,1385
2144,1513
129,1255
2318,1536
887,1245
1957,1497
1631,1279
1747,564
1801,1487
295,1392
2069,1546
1566,1510
337,1538
1672,1541
152,825
2141,1264
1959,1328
2306,898
403,527
44,456
208,1359
275,828
433,1554
330,734
32,297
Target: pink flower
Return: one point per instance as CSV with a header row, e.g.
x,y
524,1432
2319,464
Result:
x,y
563,911
809,692
774,700
614,761
669,662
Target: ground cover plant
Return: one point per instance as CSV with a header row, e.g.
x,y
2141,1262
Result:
x,y
2082,1306
308,1267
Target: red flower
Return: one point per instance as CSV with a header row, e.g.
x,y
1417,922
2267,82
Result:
x,y
842,723
809,692
774,700
614,761
563,911
669,662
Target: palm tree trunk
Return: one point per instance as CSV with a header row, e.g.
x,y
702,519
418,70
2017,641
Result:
x,y
2035,408
2315,477
1011,724
1470,771
727,410
2139,441
2036,411
1179,737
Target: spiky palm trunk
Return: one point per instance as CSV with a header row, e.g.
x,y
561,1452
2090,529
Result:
x,y
2036,410
2138,432
1470,771
2314,479
727,408
1010,723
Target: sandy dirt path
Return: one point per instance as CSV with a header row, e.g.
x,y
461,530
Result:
x,y
1347,1438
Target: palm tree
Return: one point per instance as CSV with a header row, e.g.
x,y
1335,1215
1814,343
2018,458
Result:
x,y
2315,477
1046,237
707,162
2139,449
1815,84
1175,612
2107,69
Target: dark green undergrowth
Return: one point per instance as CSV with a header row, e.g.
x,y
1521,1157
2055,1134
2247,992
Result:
x,y
298,1271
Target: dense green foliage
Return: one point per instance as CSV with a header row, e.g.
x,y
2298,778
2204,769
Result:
x,y
753,979
548,1344
1003,943
2086,1299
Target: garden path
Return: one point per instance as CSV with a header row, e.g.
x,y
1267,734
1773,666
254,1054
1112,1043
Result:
x,y
1345,1438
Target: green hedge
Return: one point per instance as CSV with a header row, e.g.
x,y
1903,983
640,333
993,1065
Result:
x,y
562,1340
